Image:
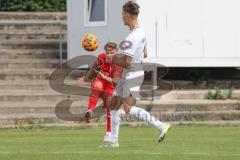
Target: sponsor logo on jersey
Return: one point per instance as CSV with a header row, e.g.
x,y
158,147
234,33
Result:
x,y
125,45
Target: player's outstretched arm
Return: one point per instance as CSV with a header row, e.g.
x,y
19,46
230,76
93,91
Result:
x,y
113,80
90,74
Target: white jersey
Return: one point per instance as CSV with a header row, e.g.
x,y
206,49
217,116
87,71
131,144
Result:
x,y
134,46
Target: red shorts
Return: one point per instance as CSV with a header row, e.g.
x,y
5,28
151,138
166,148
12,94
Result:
x,y
103,88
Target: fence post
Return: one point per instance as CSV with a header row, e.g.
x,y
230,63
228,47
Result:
x,y
154,83
60,46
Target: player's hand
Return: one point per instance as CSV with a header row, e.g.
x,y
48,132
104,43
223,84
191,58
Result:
x,y
100,74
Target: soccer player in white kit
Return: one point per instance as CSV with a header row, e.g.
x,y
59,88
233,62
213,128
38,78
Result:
x,y
127,90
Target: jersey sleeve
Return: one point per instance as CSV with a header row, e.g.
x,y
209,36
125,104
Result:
x,y
129,46
101,58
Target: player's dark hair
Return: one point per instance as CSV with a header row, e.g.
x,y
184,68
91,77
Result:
x,y
132,8
111,45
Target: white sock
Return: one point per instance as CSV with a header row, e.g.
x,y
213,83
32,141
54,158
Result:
x,y
108,133
115,122
107,136
142,114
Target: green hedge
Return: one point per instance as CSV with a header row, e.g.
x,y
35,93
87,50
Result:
x,y
33,5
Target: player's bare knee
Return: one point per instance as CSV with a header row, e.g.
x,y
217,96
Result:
x,y
131,101
128,103
119,104
127,107
94,95
115,103
97,86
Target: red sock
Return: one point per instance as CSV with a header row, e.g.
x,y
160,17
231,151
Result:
x,y
108,122
92,102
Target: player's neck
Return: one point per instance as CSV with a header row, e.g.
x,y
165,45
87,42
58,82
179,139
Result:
x,y
134,25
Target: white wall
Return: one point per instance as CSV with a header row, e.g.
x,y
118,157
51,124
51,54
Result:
x,y
221,28
180,33
192,32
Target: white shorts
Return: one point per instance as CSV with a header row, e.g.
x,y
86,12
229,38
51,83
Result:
x,y
130,85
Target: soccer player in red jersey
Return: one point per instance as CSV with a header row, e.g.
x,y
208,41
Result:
x,y
103,85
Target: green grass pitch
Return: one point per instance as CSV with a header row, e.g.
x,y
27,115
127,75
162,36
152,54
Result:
x,y
136,143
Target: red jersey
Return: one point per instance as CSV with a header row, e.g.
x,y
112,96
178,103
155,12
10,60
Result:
x,y
109,69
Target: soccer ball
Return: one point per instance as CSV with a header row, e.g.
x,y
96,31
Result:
x,y
90,42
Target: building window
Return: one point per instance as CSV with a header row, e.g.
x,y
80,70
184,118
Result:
x,y
95,12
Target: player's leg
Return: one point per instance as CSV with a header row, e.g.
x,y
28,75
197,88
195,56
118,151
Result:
x,y
108,118
141,114
113,104
132,94
115,117
108,133
96,88
108,90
